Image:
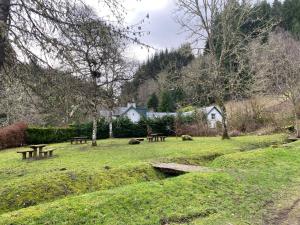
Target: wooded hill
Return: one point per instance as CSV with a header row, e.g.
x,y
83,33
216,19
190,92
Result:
x,y
156,73
153,83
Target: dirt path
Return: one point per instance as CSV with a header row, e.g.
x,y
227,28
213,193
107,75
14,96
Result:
x,y
287,216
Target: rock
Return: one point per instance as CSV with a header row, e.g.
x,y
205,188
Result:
x,y
107,167
186,138
133,142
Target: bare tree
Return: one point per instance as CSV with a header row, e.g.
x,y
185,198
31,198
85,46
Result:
x,y
276,65
27,23
117,72
218,27
90,47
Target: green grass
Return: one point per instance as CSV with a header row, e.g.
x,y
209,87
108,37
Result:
x,y
126,190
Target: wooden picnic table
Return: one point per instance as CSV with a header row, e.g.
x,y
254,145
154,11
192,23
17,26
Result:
x,y
79,139
156,137
37,149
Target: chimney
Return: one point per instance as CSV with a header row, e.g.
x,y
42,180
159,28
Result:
x,y
133,104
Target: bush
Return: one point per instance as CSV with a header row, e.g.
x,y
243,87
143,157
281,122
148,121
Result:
x,y
195,124
13,135
249,116
186,138
235,133
37,135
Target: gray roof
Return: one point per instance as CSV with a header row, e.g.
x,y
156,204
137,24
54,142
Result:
x,y
205,110
141,110
159,114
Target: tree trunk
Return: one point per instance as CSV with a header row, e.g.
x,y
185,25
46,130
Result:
x,y
225,134
94,135
4,12
296,120
110,125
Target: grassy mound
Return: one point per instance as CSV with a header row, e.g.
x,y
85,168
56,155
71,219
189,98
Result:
x,y
57,184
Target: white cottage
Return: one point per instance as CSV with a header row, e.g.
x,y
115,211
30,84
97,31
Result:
x,y
213,115
132,112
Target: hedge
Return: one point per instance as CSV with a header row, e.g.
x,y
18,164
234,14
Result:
x,y
122,128
164,125
37,135
13,135
87,129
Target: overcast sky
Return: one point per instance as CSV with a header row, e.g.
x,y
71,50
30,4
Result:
x,y
164,31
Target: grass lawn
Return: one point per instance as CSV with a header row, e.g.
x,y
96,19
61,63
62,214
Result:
x,y
115,184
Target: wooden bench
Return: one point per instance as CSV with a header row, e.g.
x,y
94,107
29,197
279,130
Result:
x,y
24,153
47,151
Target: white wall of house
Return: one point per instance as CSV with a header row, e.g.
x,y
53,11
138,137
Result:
x,y
213,117
133,115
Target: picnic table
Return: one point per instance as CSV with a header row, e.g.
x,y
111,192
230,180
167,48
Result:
x,y
36,152
79,140
156,137
37,149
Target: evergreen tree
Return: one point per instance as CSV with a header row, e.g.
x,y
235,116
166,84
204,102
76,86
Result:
x,y
277,10
153,102
167,103
291,16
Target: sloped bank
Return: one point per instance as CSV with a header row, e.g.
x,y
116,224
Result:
x,y
62,182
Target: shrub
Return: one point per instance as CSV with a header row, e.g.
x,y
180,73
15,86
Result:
x,y
186,138
13,135
37,135
194,124
235,133
250,115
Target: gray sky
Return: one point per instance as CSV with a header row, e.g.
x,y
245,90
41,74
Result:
x,y
164,31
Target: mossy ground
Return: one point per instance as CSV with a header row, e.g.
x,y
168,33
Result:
x,y
113,177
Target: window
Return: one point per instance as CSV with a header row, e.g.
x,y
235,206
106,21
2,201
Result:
x,y
213,116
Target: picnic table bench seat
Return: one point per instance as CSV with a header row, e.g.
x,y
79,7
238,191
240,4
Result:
x,y
48,152
24,153
150,138
162,138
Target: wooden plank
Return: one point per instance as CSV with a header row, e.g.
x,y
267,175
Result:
x,y
181,168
